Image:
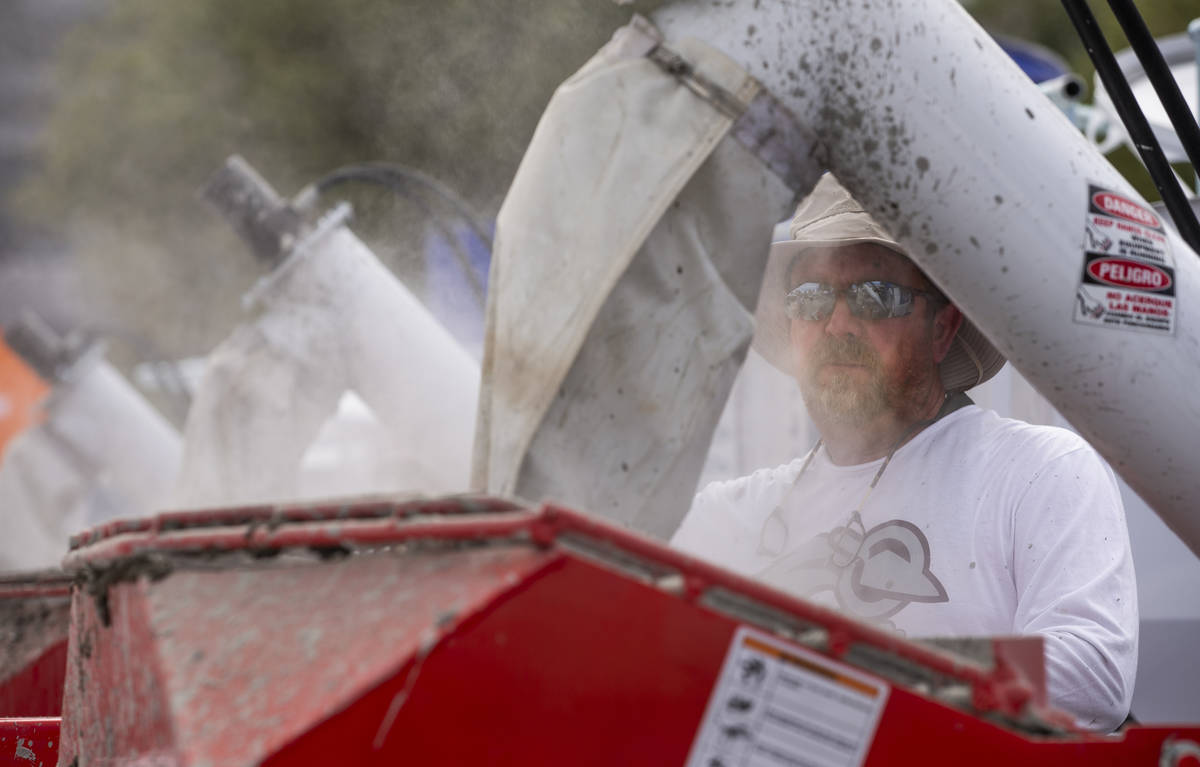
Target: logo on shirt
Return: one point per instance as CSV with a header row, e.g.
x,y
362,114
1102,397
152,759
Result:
x,y
873,574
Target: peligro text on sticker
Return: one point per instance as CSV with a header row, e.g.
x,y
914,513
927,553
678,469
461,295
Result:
x,y
1128,277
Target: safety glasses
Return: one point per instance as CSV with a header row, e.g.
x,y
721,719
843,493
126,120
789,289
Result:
x,y
868,300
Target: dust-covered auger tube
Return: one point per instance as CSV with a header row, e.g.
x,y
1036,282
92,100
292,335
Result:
x,y
988,186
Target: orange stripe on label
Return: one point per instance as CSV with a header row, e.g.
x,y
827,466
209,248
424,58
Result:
x,y
808,665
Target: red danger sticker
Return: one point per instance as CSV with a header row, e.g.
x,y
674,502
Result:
x,y
1116,205
1129,274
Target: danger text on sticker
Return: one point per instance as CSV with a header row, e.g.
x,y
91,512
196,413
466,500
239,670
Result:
x,y
1115,205
1129,274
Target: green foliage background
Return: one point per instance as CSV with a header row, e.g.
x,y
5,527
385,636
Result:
x,y
156,93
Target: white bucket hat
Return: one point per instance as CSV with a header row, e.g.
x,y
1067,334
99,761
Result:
x,y
830,217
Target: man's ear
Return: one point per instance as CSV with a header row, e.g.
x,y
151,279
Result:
x,y
946,322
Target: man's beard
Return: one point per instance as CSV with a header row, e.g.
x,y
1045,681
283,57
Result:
x,y
842,396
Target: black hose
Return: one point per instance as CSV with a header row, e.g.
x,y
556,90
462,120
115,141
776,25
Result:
x,y
1135,122
392,172
400,179
399,186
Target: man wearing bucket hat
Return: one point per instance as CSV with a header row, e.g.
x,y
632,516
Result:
x,y
918,510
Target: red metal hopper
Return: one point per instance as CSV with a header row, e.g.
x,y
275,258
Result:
x,y
474,631
34,616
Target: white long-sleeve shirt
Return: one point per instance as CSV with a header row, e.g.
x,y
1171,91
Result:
x,y
979,526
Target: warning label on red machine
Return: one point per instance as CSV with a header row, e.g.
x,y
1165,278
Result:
x,y
1128,276
775,705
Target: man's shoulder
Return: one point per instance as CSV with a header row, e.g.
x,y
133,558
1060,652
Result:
x,y
726,516
751,486
985,429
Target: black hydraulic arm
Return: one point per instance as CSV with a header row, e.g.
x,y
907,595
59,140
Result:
x,y
1135,122
1148,52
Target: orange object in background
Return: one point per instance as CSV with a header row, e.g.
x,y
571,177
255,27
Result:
x,y
21,390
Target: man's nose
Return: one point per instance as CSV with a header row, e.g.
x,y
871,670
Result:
x,y
841,322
